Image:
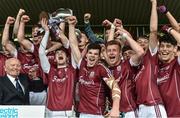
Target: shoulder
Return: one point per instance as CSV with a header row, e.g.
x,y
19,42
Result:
x,y
102,67
3,80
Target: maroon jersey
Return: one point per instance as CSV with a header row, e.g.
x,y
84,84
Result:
x,y
92,88
61,88
124,74
29,60
169,86
3,58
146,82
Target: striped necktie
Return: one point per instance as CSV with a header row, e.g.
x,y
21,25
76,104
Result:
x,y
18,87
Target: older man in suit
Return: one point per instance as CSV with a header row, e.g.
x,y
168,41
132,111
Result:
x,y
13,86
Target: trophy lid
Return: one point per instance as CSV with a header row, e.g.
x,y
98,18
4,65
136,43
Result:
x,y
62,13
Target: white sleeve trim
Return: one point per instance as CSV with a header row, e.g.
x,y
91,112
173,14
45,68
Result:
x,y
132,63
32,48
15,53
42,55
179,59
67,45
79,63
73,63
153,51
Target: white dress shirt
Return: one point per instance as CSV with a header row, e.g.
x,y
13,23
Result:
x,y
12,79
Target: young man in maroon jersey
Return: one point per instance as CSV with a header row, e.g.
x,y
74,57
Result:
x,y
124,70
61,79
149,99
168,65
28,55
92,76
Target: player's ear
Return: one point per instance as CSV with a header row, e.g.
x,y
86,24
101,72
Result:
x,y
175,50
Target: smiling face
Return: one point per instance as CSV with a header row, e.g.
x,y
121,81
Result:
x,y
167,48
36,38
143,42
61,58
12,67
34,31
167,52
113,53
82,41
92,56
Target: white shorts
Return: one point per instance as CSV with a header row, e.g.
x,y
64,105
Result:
x,y
156,111
59,114
130,114
37,98
83,115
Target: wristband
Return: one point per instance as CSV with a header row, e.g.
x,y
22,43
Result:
x,y
113,27
162,9
169,30
116,96
46,51
86,21
124,36
116,89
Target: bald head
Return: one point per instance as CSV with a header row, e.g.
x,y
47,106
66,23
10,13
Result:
x,y
10,60
12,67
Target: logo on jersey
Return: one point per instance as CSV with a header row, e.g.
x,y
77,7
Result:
x,y
119,68
56,79
91,75
165,68
163,79
85,82
27,66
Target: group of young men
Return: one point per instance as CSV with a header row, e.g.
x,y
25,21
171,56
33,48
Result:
x,y
139,78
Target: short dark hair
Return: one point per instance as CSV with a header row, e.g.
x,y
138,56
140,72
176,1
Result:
x,y
43,14
125,48
143,37
113,42
168,38
36,25
62,49
94,46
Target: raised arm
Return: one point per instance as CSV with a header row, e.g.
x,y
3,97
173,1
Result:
x,y
21,35
62,36
107,23
55,45
153,41
42,54
88,30
175,34
17,22
6,43
73,40
172,20
139,52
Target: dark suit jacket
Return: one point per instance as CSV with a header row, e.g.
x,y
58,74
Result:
x,y
9,94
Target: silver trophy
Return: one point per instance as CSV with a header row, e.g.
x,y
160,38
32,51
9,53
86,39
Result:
x,y
55,19
60,14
